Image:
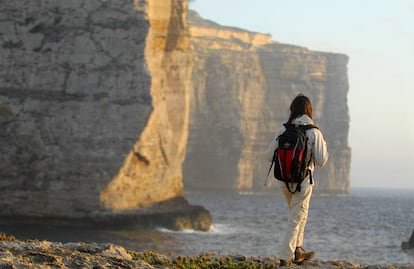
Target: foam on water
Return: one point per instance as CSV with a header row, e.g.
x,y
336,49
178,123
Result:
x,y
222,228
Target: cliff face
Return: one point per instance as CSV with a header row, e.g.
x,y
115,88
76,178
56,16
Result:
x,y
157,156
89,97
243,86
101,100
69,92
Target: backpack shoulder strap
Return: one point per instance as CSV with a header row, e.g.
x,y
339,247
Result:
x,y
305,128
308,127
302,127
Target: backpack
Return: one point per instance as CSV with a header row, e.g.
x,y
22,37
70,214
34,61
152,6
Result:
x,y
291,158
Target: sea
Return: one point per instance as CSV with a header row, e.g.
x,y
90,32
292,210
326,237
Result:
x,y
366,226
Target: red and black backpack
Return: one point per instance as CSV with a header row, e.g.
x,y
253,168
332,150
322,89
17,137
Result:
x,y
291,158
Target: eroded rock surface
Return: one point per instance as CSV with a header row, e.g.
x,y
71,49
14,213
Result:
x,y
94,106
45,254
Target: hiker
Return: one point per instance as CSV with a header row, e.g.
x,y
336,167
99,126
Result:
x,y
298,198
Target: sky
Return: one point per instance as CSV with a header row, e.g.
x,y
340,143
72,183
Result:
x,y
378,37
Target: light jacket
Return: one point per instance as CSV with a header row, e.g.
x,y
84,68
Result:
x,y
316,142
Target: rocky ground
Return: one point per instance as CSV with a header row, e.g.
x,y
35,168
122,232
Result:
x,y
43,254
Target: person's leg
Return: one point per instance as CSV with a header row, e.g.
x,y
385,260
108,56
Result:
x,y
288,195
289,240
300,254
299,205
303,200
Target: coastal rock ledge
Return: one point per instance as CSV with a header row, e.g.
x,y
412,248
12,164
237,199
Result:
x,y
44,254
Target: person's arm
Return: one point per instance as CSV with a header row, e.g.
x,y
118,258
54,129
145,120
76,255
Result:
x,y
320,150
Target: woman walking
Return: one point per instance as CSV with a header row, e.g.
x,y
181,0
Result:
x,y
298,202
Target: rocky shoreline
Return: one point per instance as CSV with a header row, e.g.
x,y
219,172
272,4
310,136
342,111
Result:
x,y
174,214
16,253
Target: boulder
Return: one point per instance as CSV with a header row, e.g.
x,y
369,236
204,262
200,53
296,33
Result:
x,y
409,244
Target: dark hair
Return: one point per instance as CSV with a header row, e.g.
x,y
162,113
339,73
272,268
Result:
x,y
299,106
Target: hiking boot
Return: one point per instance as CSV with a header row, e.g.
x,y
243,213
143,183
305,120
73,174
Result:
x,y
301,255
285,263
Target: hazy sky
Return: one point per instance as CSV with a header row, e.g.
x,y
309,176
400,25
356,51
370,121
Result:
x,y
378,36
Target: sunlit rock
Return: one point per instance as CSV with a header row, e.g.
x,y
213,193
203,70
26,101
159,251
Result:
x,y
94,108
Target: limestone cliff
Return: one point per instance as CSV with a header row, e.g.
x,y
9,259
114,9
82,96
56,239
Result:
x,y
157,156
94,106
101,100
243,85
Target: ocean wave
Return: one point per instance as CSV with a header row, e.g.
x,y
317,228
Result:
x,y
218,228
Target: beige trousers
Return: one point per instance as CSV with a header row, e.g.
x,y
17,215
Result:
x,y
298,214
